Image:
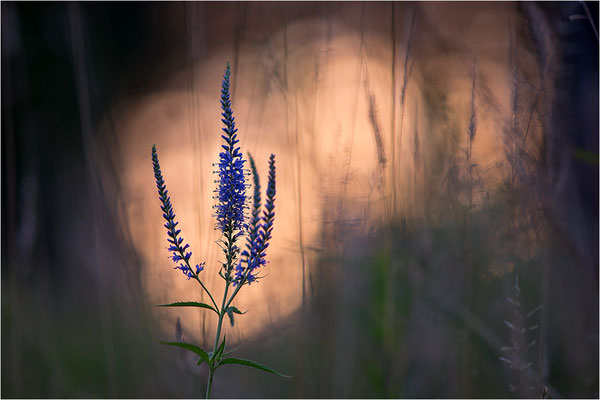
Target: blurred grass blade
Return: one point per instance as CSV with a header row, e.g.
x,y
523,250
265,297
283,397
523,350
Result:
x,y
191,347
188,304
252,364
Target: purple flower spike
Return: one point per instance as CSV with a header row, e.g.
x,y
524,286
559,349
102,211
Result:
x,y
177,246
258,239
231,192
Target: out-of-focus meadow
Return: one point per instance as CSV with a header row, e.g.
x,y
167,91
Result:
x,y
436,228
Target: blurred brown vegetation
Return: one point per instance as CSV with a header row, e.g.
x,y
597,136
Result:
x,y
437,208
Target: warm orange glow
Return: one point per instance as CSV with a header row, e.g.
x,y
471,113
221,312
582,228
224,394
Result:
x,y
312,110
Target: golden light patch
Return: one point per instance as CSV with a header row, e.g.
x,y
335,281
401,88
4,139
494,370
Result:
x,y
325,97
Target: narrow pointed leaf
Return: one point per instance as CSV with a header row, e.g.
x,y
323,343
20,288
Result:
x,y
230,315
191,347
252,364
188,304
219,352
230,311
231,351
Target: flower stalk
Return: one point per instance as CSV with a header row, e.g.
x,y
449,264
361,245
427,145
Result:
x,y
239,267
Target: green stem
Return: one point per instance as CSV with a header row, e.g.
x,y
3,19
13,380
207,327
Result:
x,y
211,366
221,312
221,315
210,378
224,307
209,295
199,281
237,289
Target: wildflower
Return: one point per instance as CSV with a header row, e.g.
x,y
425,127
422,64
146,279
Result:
x,y
177,246
250,254
231,198
269,213
258,239
231,192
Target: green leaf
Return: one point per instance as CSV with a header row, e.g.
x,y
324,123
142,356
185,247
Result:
x,y
219,352
230,315
230,311
235,310
191,347
188,304
252,364
231,351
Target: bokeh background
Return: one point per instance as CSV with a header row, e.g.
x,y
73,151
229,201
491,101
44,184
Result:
x,y
437,209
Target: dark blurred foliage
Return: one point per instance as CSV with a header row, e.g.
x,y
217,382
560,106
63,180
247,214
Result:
x,y
74,323
415,309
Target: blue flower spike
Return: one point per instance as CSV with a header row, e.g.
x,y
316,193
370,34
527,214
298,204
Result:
x,y
177,247
231,191
251,252
269,212
232,186
260,233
